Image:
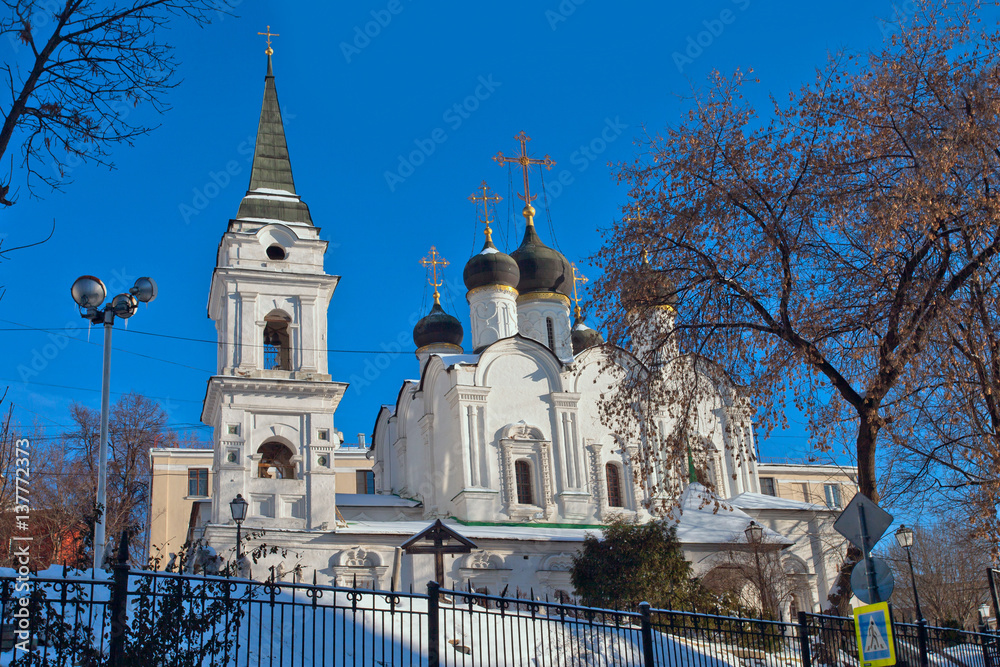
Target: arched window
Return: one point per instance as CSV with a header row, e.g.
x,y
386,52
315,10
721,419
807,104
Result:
x,y
522,479
275,461
551,333
614,485
277,351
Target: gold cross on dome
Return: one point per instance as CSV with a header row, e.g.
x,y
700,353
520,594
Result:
x,y
269,34
525,163
486,199
432,262
577,278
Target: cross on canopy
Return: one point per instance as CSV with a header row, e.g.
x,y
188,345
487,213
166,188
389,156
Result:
x,y
577,278
433,261
525,163
486,199
438,539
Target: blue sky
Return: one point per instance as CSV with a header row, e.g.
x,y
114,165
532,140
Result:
x,y
363,86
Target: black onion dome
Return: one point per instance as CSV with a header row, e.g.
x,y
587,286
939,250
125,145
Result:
x,y
542,268
583,336
649,288
438,327
490,267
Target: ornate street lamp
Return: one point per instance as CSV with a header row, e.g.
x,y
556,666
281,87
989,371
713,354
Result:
x,y
755,535
904,537
238,507
89,293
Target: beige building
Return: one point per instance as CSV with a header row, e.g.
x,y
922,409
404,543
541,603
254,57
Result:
x,y
830,485
181,488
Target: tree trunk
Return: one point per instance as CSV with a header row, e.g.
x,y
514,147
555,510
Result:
x,y
869,425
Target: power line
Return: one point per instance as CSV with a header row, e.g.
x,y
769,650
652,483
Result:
x,y
57,332
97,391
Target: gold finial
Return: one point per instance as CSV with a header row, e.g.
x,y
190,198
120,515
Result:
x,y
433,261
525,162
269,34
577,278
486,199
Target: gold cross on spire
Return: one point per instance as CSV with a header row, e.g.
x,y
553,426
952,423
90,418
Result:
x,y
486,199
432,262
525,163
577,278
269,34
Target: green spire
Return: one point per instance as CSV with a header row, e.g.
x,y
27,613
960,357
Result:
x,y
272,170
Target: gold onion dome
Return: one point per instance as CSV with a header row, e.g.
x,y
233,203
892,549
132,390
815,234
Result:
x,y
582,335
490,267
438,327
649,288
542,268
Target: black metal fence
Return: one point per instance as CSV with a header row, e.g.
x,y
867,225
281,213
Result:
x,y
157,618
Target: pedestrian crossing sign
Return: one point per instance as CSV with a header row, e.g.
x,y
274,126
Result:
x,y
873,628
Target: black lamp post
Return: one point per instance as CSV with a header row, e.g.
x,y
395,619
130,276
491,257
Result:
x,y
904,536
238,506
755,534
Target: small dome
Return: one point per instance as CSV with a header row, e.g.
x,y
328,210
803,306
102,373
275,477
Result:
x,y
542,268
438,327
583,336
649,288
490,267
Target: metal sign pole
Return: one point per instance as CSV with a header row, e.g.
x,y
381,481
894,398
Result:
x,y
869,568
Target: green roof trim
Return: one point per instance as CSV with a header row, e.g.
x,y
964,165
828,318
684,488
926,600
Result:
x,y
527,524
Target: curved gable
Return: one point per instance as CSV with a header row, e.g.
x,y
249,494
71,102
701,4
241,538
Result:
x,y
522,358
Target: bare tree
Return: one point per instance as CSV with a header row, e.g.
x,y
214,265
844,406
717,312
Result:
x,y
949,564
136,425
754,572
824,248
79,69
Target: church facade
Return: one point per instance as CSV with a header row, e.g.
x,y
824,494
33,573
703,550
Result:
x,y
502,440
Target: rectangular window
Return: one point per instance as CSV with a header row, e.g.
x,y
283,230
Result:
x,y
198,482
832,495
366,481
767,486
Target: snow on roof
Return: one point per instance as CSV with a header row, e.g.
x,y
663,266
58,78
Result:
x,y
489,251
374,500
581,327
274,221
450,360
705,519
760,501
272,191
530,533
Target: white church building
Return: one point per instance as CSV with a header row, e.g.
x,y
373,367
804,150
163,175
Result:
x,y
498,434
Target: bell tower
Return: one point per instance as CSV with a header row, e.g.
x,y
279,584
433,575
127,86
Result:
x,y
271,402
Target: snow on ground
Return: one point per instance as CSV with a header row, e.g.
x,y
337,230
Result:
x,y
363,628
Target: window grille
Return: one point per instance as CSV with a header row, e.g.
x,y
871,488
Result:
x,y
522,480
614,486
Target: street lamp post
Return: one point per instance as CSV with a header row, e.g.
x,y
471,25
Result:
x,y
89,293
755,533
238,507
904,537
